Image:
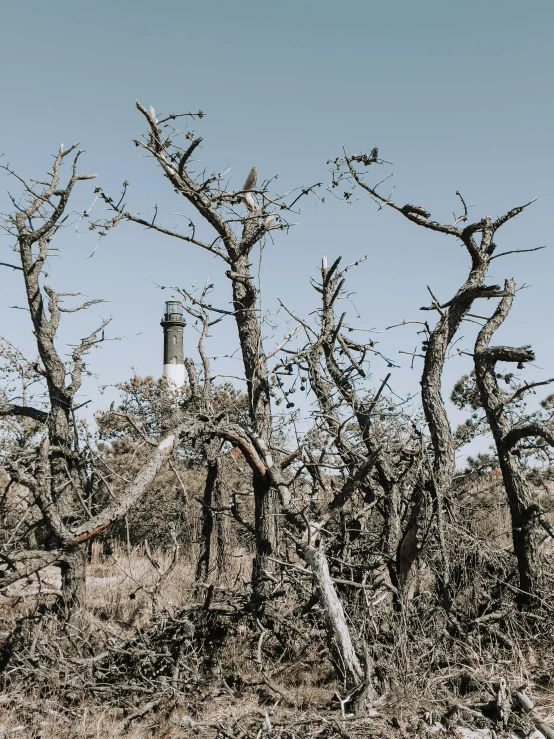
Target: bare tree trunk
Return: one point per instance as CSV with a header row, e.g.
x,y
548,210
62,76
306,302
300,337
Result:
x,y
267,532
444,461
409,550
266,501
205,559
525,527
214,524
61,473
338,633
222,533
524,513
73,571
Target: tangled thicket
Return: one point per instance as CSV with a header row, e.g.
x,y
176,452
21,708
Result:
x,y
301,558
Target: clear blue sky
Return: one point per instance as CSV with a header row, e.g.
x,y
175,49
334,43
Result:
x,y
457,95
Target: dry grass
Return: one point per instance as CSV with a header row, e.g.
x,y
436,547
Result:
x,y
230,680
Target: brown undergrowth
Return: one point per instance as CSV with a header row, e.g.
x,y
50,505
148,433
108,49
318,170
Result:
x,y
152,653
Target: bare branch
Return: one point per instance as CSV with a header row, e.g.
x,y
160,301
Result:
x,y
524,388
533,429
516,251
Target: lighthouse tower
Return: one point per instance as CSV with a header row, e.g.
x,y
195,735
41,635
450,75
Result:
x,y
174,359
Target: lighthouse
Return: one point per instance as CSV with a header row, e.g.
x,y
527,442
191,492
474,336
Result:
x,y
174,358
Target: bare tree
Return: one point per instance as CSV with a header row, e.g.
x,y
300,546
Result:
x,y
336,365
235,237
346,494
214,524
508,432
392,472
58,476
479,240
286,485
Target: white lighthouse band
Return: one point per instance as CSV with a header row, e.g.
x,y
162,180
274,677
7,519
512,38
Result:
x,y
173,323
175,373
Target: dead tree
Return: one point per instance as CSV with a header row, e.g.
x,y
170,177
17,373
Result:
x,y
478,239
336,367
214,524
508,433
240,220
280,482
58,474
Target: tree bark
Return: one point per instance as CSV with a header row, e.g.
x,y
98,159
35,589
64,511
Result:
x,y
205,559
73,571
525,527
444,460
338,633
214,524
266,501
267,506
524,513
